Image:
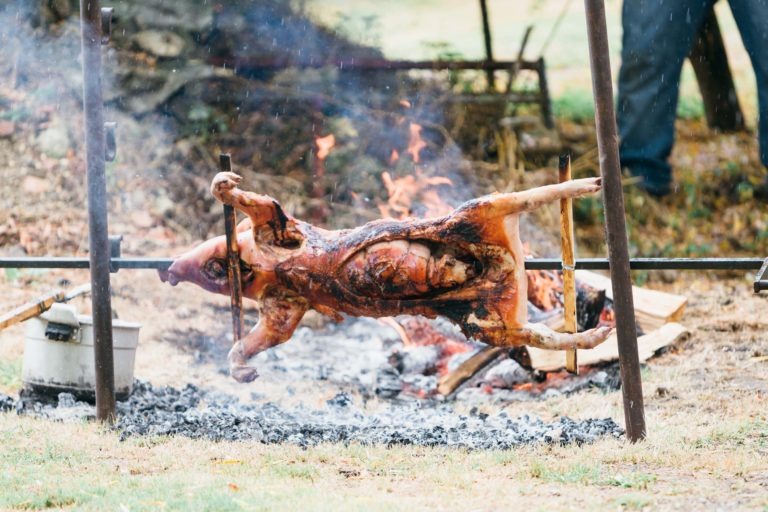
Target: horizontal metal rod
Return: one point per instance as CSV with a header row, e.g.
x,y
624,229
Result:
x,y
261,63
653,264
532,264
130,263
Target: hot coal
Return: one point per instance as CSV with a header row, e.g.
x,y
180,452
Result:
x,y
199,414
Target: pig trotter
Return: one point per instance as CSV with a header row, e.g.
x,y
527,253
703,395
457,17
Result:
x,y
541,336
222,183
238,368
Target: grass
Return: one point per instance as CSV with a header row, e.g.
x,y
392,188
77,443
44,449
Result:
x,y
82,467
10,374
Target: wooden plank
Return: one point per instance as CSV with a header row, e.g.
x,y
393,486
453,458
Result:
x,y
653,308
568,249
30,309
647,345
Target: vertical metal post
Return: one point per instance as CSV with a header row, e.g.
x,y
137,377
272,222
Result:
x,y
616,230
91,33
488,43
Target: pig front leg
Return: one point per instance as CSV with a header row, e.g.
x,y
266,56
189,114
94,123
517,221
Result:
x,y
277,321
541,336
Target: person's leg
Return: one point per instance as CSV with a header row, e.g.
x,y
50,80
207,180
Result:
x,y
658,35
752,19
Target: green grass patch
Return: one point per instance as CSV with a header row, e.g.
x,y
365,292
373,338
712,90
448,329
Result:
x,y
594,474
575,104
10,375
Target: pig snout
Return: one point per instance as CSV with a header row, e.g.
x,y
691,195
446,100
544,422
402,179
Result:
x,y
169,275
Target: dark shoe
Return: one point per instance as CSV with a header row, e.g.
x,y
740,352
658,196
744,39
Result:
x,y
655,181
657,189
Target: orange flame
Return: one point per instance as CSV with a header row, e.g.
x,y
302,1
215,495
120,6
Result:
x,y
324,146
415,143
415,189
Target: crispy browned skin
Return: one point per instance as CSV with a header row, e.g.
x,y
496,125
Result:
x,y
467,266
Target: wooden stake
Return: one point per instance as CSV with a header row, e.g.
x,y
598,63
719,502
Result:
x,y
569,278
233,259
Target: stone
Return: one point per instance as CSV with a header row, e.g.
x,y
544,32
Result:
x,y
160,43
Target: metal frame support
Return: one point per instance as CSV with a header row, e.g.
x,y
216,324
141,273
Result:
x,y
761,278
114,253
487,40
95,30
616,229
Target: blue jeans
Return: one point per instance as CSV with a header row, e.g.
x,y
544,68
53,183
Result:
x,y
658,35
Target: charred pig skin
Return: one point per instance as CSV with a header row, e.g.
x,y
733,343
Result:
x,y
467,266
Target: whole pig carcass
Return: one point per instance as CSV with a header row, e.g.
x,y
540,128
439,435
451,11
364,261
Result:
x,y
467,266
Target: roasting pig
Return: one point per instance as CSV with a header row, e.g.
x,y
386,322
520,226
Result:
x,y
467,266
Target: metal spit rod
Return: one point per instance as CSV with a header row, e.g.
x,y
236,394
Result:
x,y
531,264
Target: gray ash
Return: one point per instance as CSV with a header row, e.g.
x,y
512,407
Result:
x,y
6,403
195,413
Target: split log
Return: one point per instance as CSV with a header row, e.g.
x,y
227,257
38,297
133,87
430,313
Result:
x,y
653,308
468,369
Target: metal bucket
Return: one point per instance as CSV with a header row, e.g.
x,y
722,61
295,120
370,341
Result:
x,y
58,353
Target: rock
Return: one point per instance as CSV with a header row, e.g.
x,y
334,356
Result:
x,y
7,128
160,43
187,15
54,141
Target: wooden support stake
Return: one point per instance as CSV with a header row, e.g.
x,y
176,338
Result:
x,y
233,259
569,260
